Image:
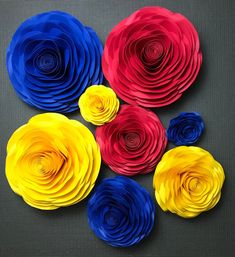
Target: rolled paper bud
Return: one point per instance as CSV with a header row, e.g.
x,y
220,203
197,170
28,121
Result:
x,y
121,212
185,129
133,142
98,104
52,161
151,57
51,60
188,181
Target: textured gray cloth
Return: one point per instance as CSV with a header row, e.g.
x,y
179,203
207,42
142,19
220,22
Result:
x,y
27,232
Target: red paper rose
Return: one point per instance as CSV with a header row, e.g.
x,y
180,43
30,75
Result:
x,y
133,142
151,57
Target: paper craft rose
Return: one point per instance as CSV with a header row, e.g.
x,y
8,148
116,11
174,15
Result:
x,y
52,161
98,104
188,181
151,57
186,128
133,142
51,59
121,212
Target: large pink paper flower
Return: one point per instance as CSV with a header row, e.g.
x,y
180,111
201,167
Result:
x,y
152,57
133,142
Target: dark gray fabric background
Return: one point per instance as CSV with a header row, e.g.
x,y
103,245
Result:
x,y
27,232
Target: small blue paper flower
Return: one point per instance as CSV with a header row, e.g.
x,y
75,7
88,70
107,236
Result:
x,y
185,129
121,212
51,59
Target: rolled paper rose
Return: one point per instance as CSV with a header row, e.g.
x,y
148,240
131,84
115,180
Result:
x,y
133,142
121,212
151,57
188,181
186,128
51,59
98,104
52,161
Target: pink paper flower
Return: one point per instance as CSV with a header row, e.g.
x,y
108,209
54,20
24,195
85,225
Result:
x,y
133,142
151,57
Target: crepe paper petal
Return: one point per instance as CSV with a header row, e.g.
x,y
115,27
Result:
x,y
133,142
52,161
51,60
188,181
121,212
151,57
98,105
186,128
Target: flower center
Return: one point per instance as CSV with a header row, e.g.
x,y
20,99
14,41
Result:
x,y
42,165
47,163
111,218
152,53
46,62
193,184
95,102
99,105
132,140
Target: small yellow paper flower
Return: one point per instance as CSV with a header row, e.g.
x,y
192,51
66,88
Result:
x,y
52,161
188,181
98,105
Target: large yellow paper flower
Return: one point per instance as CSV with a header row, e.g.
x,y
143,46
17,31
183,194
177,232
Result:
x,y
98,105
188,181
52,161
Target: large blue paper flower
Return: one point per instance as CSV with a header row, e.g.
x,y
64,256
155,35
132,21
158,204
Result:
x,y
51,59
121,212
186,128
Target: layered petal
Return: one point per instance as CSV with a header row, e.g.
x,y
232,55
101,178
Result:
x,y
52,161
188,181
51,59
133,142
121,212
151,57
98,105
186,128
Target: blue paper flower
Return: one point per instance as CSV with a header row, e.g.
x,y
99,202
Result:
x,y
185,129
51,59
121,212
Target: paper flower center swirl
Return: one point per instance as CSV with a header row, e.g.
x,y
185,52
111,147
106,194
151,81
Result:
x,y
133,142
188,181
52,161
151,54
121,212
47,62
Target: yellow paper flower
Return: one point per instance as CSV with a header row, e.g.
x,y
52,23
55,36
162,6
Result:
x,y
188,181
98,105
52,161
